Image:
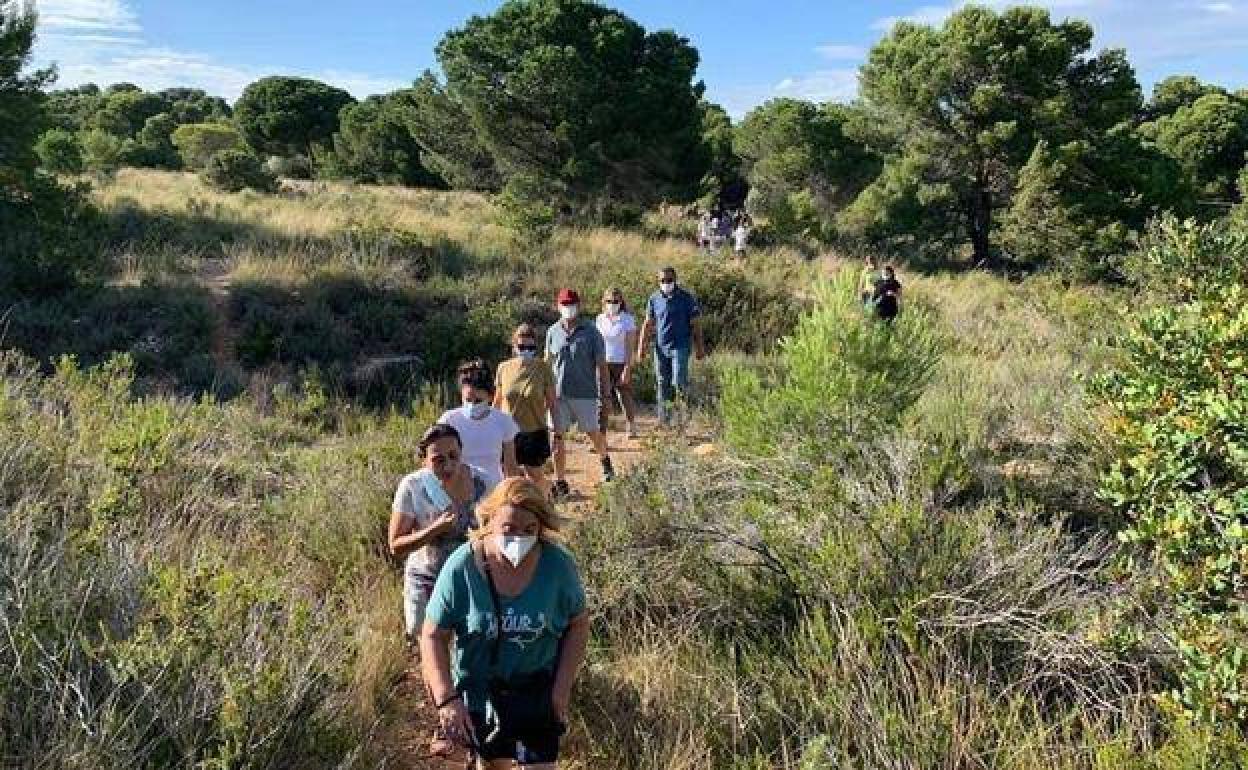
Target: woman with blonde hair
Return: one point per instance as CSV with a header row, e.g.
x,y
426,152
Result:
x,y
505,632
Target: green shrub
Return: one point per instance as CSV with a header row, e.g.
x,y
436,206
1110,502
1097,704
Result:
x,y
60,152
236,170
101,151
842,376
1178,416
48,239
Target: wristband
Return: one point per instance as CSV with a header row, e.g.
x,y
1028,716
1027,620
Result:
x,y
451,699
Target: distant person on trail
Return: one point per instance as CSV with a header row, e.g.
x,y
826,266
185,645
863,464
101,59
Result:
x,y
886,295
506,633
866,282
740,238
716,236
672,317
431,516
704,231
578,355
488,435
618,328
725,227
524,387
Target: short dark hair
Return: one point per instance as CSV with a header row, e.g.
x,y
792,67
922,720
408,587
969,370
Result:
x,y
668,269
436,433
475,373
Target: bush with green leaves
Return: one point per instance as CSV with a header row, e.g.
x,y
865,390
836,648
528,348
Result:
x,y
237,170
60,152
842,375
1177,410
198,142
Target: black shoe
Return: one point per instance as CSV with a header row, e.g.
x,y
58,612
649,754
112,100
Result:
x,y
560,490
608,470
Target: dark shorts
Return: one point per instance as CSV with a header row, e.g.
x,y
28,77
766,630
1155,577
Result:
x,y
535,749
533,448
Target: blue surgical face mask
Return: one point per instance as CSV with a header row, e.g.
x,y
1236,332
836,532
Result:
x,y
475,410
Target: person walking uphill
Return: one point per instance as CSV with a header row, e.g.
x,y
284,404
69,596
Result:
x,y
672,318
577,353
506,632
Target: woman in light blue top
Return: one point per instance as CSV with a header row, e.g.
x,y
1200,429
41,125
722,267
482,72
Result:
x,y
505,632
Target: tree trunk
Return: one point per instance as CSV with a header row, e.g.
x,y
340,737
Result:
x,y
980,217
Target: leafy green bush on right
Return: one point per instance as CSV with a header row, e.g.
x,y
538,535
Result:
x,y
1177,410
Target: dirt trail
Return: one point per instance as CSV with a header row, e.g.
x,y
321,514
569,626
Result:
x,y
405,737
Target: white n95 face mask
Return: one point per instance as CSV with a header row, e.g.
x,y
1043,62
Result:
x,y
667,288
515,547
568,312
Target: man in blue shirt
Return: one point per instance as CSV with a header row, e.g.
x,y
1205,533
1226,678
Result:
x,y
672,316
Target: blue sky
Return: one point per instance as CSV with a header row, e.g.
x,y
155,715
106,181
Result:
x,y
751,50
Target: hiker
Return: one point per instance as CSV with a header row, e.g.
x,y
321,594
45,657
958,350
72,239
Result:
x,y
506,632
672,317
886,295
576,352
488,434
431,516
716,236
866,282
725,227
704,231
524,387
740,237
618,328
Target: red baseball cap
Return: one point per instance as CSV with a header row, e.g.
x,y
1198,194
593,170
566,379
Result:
x,y
568,297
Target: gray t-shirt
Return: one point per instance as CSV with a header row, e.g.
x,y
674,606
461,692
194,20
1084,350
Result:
x,y
411,500
574,355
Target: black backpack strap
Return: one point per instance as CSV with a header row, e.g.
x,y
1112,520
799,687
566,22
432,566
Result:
x,y
498,610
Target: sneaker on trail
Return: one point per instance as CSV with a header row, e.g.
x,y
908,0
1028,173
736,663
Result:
x,y
608,470
560,490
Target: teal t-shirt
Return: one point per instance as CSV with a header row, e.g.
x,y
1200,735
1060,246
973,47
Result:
x,y
533,622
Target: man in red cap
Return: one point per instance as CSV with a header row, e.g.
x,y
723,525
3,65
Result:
x,y
577,354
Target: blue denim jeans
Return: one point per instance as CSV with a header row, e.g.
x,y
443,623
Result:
x,y
672,374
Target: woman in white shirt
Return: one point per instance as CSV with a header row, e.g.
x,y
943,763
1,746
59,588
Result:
x,y
618,328
488,435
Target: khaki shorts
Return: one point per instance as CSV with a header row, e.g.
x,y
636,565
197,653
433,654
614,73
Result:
x,y
581,411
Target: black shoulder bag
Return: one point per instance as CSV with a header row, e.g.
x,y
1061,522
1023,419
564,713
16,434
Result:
x,y
522,705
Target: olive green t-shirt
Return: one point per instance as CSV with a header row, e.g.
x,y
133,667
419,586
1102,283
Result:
x,y
523,385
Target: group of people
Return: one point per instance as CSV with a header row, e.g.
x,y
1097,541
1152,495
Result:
x,y
495,602
717,227
879,290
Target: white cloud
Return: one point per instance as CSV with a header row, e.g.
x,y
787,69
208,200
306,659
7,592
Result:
x,y
82,15
102,42
834,85
840,52
1219,7
932,15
